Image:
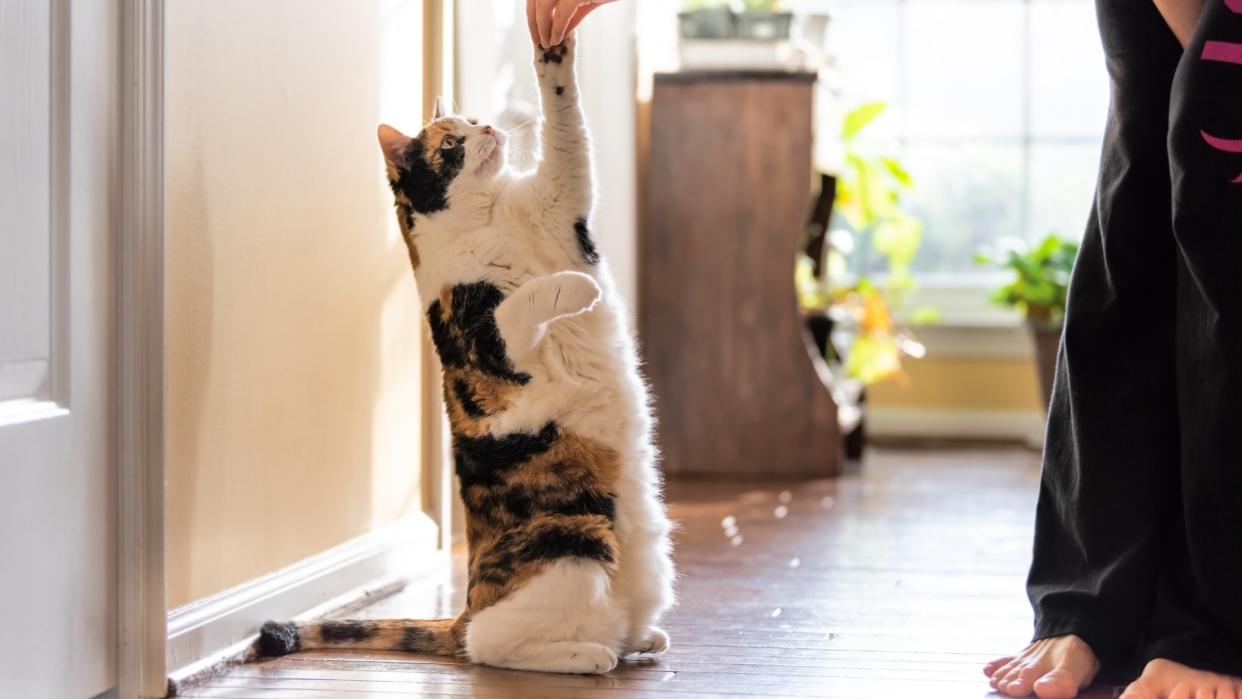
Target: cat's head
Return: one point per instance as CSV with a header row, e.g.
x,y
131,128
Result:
x,y
450,153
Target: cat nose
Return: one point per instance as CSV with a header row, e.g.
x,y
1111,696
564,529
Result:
x,y
488,130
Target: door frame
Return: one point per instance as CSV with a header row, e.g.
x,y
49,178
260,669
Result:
x,y
141,608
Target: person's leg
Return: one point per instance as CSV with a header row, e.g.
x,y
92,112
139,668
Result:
x,y
1112,444
1198,619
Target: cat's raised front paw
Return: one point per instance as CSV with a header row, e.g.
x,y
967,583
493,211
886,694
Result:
x,y
555,65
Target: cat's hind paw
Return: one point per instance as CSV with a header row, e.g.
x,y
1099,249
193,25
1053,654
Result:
x,y
657,641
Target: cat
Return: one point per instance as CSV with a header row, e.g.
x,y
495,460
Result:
x,y
569,555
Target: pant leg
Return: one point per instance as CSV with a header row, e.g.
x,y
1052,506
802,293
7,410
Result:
x,y
1199,618
1112,442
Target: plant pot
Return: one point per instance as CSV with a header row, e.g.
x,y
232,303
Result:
x,y
1047,341
764,26
713,23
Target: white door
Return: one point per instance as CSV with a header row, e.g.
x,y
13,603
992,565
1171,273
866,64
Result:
x,y
58,186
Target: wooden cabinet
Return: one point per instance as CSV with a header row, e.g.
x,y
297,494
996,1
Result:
x,y
738,391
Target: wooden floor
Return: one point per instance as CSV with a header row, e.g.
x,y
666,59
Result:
x,y
900,581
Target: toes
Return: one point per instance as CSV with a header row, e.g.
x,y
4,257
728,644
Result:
x,y
1013,685
1021,687
1138,690
1182,691
1002,673
991,668
1058,684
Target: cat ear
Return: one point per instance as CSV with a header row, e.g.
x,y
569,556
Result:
x,y
440,111
393,143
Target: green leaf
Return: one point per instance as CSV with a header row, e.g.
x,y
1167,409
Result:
x,y
898,171
873,358
925,315
857,119
899,238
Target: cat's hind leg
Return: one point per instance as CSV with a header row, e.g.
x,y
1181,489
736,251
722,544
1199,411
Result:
x,y
564,619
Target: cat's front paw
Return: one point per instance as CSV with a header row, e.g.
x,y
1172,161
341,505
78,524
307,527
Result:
x,y
575,293
554,65
558,54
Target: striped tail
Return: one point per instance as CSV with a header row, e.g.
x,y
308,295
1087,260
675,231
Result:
x,y
436,637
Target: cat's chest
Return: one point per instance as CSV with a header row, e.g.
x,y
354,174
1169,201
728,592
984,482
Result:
x,y
503,259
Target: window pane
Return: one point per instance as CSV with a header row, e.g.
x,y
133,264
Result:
x,y
1069,84
865,44
1062,186
967,196
964,72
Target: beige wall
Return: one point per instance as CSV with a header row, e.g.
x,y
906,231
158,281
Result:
x,y
962,384
293,324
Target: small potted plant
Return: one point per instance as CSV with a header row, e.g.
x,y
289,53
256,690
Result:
x,y
852,316
1040,282
706,19
764,20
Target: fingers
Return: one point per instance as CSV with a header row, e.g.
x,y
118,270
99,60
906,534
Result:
x,y
565,11
530,21
543,21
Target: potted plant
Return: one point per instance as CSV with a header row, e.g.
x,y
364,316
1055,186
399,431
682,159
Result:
x,y
851,316
706,19
763,20
1040,282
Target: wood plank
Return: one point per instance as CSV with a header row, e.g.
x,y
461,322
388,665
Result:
x,y
908,581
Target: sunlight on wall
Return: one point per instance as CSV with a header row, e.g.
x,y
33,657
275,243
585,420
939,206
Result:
x,y
294,384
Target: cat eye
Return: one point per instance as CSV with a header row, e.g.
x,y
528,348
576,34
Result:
x,y
448,143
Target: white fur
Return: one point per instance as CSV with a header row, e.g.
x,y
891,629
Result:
x,y
565,326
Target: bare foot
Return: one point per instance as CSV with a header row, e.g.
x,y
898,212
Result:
x,y
1165,679
1054,668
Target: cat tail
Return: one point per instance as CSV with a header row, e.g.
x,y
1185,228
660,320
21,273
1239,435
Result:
x,y
433,637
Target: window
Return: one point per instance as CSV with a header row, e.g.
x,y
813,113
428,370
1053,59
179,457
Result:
x,y
997,107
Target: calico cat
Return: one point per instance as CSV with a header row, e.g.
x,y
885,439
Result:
x,y
569,555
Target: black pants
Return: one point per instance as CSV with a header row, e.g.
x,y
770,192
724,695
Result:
x,y
1138,544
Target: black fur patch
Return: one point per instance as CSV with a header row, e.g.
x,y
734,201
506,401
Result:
x,y
547,543
424,186
563,542
469,336
587,502
417,640
465,396
276,639
553,56
484,460
560,90
586,246
347,631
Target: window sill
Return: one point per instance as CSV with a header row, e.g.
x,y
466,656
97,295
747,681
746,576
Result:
x,y
971,326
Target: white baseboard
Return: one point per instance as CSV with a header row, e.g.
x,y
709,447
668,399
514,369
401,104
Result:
x,y
1026,426
215,629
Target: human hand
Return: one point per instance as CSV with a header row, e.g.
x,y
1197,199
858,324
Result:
x,y
551,20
